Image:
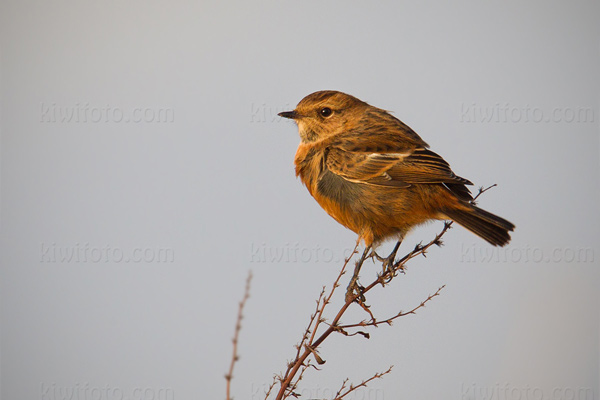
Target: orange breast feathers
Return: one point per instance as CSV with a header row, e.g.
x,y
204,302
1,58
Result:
x,y
310,161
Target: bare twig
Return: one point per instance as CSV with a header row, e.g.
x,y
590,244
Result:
x,y
238,327
481,191
303,342
271,386
310,342
375,322
341,393
288,384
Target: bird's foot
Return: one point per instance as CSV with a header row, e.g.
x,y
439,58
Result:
x,y
354,291
388,262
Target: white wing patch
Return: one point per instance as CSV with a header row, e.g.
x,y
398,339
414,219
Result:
x,y
389,156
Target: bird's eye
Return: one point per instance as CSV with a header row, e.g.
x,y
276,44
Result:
x,y
326,112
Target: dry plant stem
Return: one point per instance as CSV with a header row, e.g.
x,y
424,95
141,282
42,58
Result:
x,y
271,386
335,285
317,318
286,380
238,327
292,370
375,322
302,345
341,393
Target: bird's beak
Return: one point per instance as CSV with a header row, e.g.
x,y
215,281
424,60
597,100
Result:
x,y
289,114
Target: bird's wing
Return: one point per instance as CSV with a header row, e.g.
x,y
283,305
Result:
x,y
387,161
369,168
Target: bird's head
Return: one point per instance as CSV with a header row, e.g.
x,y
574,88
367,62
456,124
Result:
x,y
326,113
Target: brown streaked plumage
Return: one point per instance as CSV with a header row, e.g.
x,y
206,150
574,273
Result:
x,y
376,176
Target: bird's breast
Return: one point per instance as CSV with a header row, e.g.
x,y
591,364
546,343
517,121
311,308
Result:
x,y
309,163
338,189
337,196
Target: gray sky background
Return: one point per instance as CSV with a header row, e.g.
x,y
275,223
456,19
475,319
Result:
x,y
146,131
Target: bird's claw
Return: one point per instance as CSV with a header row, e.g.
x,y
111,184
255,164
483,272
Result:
x,y
354,292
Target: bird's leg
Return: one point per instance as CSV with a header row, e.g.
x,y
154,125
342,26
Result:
x,y
353,286
388,262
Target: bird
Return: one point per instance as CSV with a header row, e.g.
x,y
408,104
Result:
x,y
374,175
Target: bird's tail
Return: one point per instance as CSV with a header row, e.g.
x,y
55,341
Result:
x,y
488,226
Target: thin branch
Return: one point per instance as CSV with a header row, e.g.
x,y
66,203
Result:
x,y
286,381
238,327
302,344
481,191
335,285
375,322
271,386
309,328
339,395
299,365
